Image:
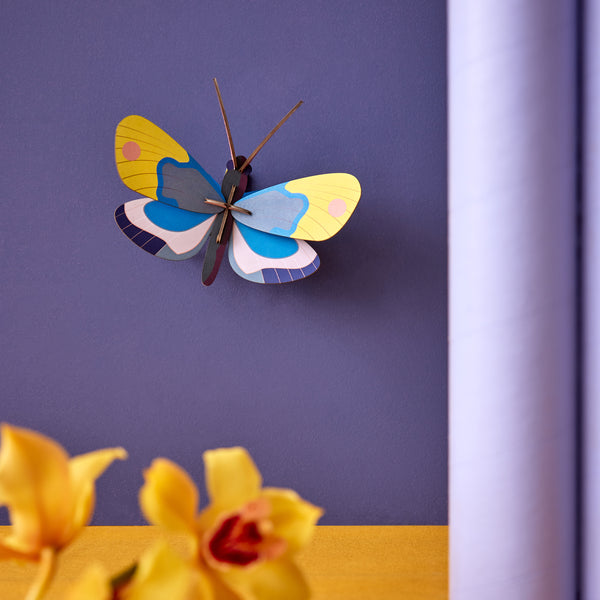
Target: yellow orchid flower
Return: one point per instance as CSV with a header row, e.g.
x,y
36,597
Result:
x,y
50,497
160,574
245,540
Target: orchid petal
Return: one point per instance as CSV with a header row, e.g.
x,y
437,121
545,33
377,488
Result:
x,y
162,574
94,584
169,497
219,589
34,484
271,580
7,552
292,517
232,478
84,470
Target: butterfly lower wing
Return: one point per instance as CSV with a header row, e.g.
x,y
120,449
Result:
x,y
265,258
313,208
153,164
162,230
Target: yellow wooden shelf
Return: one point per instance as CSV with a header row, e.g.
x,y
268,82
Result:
x,y
342,563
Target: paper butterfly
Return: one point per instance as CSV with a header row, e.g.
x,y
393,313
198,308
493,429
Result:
x,y
184,209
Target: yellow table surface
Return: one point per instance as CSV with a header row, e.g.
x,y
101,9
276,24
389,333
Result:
x,y
345,563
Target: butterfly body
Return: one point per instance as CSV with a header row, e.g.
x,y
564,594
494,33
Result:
x,y
184,209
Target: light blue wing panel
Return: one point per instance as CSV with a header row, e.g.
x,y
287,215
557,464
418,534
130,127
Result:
x,y
312,208
186,185
163,230
266,258
274,210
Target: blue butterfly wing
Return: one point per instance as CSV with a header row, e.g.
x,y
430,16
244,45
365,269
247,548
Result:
x,y
266,258
163,230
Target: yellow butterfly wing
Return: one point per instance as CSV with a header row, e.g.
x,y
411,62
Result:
x,y
152,163
312,208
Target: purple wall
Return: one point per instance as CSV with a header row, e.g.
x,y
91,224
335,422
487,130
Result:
x,y
336,384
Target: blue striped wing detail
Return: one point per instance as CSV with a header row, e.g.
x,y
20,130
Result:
x,y
162,230
266,258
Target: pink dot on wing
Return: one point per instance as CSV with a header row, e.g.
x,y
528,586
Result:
x,y
336,207
131,150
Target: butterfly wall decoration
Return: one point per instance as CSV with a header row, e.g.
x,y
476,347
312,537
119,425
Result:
x,y
184,209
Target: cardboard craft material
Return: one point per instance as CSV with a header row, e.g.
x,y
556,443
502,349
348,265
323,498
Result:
x,y
185,210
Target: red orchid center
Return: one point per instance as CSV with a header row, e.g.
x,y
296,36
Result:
x,y
236,542
245,537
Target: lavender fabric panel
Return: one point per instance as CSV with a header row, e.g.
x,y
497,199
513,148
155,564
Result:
x,y
591,258
512,298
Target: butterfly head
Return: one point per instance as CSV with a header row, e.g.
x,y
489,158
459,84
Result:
x,y
234,177
239,161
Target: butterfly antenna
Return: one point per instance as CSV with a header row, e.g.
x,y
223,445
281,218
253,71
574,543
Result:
x,y
269,136
228,131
